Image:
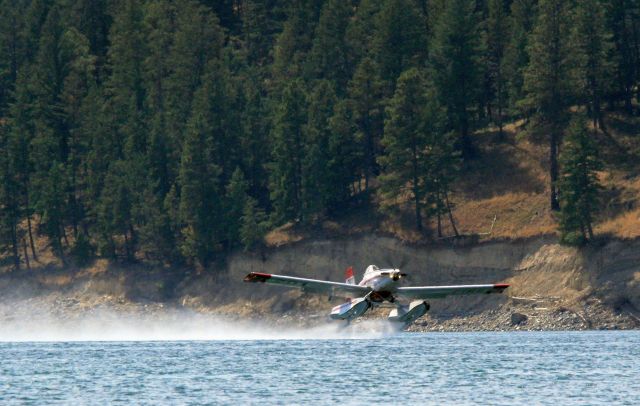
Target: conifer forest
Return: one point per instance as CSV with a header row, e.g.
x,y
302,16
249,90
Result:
x,y
177,131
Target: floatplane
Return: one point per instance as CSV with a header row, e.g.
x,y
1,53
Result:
x,y
378,287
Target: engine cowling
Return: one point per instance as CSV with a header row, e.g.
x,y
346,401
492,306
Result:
x,y
351,309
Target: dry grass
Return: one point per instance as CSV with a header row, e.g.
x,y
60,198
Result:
x,y
286,234
626,225
508,181
517,215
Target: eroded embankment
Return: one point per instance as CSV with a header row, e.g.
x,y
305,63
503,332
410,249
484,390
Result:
x,y
552,286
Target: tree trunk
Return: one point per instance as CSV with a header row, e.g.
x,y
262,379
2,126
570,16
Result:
x,y
453,223
439,215
126,246
26,254
133,241
416,192
553,170
64,237
499,101
465,141
28,210
14,245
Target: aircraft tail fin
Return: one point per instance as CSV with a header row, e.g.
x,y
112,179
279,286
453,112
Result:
x,y
350,279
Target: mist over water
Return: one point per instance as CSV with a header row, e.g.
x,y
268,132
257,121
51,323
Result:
x,y
171,325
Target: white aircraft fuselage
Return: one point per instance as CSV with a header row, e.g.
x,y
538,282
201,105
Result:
x,y
382,282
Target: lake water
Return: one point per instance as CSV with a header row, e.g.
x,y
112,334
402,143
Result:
x,y
559,368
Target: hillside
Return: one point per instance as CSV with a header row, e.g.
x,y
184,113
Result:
x,y
174,133
508,182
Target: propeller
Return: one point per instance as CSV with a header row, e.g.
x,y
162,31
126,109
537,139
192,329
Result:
x,y
397,275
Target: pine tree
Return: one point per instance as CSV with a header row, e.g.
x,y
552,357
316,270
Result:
x,y
288,153
159,24
216,105
91,18
455,53
254,224
51,204
236,199
9,204
79,80
547,81
444,165
200,195
11,49
156,237
293,44
496,41
20,134
361,30
411,119
593,47
258,30
345,165
365,97
102,149
58,84
254,141
578,184
125,86
624,23
198,41
328,58
516,57
316,186
399,41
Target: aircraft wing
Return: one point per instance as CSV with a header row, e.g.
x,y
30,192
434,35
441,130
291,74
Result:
x,y
435,292
308,285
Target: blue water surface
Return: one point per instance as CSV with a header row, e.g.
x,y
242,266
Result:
x,y
560,368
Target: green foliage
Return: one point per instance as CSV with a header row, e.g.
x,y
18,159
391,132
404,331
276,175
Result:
x,y
366,100
593,46
516,57
416,157
399,40
548,81
578,184
455,61
201,196
254,224
171,131
328,57
82,250
345,157
623,20
497,35
236,198
288,154
317,187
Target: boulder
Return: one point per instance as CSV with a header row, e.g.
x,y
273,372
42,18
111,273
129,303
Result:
x,y
518,319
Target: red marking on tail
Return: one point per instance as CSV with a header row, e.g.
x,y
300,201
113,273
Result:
x,y
349,273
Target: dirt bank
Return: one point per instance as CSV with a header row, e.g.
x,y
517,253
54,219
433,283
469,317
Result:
x,y
553,287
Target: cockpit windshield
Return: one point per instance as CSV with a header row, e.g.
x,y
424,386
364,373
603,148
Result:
x,y
371,268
